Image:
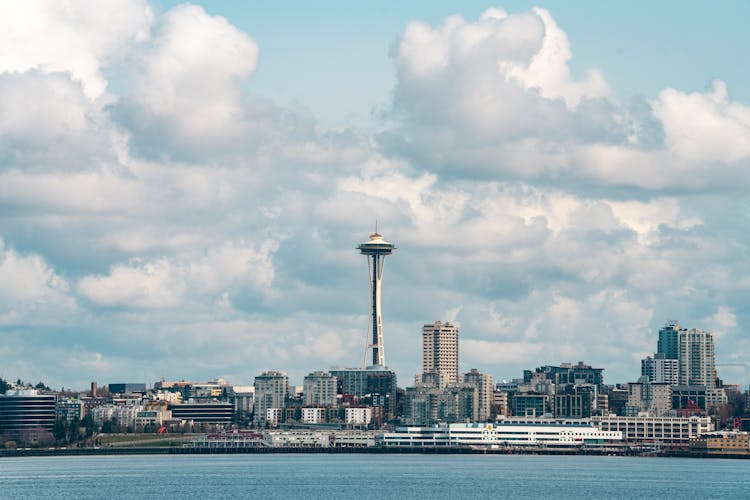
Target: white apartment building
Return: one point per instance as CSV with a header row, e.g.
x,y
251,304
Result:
x,y
696,358
660,369
313,415
358,416
124,414
273,416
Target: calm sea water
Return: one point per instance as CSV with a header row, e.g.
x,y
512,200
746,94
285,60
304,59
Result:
x,y
404,477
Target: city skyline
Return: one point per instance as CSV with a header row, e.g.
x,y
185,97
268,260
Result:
x,y
181,186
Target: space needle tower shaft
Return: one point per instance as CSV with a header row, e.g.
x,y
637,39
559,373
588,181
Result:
x,y
376,250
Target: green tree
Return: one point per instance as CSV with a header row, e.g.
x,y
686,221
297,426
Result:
x,y
88,424
74,431
60,431
108,426
4,386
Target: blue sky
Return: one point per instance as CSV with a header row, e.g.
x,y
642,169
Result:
x,y
642,47
182,185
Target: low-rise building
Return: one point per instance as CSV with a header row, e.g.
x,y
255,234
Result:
x,y
530,405
723,442
297,439
313,415
231,439
670,431
213,413
124,414
358,416
25,409
499,403
287,439
152,416
649,397
243,398
353,439
273,416
127,388
69,410
168,396
509,432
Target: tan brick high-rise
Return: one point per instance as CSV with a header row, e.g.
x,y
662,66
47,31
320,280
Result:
x,y
440,351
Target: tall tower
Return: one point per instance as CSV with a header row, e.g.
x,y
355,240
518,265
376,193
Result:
x,y
696,361
440,351
669,340
376,250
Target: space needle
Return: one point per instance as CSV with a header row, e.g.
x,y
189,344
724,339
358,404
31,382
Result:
x,y
376,250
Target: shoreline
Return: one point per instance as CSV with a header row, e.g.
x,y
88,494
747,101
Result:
x,y
53,452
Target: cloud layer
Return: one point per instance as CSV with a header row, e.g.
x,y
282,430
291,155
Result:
x,y
158,219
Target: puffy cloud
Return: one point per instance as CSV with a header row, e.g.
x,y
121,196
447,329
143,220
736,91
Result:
x,y
188,84
496,98
47,122
71,37
705,128
494,95
30,291
143,285
218,229
167,283
548,69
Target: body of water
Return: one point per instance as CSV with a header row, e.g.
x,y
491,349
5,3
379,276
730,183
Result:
x,y
403,477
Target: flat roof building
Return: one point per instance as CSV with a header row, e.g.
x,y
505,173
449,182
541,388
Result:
x,y
126,388
26,409
440,351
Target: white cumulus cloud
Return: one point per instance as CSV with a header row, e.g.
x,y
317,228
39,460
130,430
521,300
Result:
x,y
78,38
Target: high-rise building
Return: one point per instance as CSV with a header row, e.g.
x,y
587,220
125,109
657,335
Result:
x,y
696,358
660,369
319,389
668,343
693,352
376,250
421,405
376,386
271,390
483,383
440,351
458,403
